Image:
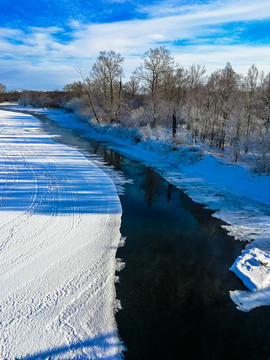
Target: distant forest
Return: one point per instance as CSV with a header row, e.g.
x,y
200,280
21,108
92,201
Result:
x,y
226,111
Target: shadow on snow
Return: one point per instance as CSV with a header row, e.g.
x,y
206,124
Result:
x,y
103,342
53,180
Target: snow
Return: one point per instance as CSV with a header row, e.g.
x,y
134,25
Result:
x,y
60,220
248,300
253,268
238,197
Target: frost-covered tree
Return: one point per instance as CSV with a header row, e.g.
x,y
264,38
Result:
x,y
235,124
260,148
250,88
173,91
223,110
195,81
264,104
223,84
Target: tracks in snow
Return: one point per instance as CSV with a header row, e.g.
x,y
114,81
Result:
x,y
59,228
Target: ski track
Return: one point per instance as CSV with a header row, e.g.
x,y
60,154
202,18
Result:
x,y
59,231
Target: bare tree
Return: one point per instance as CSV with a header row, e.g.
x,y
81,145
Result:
x,y
195,76
106,75
157,65
77,88
87,88
132,87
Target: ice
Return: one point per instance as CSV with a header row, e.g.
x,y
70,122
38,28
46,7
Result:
x,y
248,300
253,268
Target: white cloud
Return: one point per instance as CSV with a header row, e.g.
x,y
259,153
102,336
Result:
x,y
10,33
213,57
226,10
40,50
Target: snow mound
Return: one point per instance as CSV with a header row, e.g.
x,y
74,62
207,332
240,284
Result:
x,y
253,268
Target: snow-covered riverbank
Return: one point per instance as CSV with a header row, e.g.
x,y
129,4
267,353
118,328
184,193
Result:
x,y
237,196
60,220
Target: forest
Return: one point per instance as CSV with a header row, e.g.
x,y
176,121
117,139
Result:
x,y
224,111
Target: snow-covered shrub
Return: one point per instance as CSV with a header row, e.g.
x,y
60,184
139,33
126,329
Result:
x,y
190,154
80,107
146,132
172,152
181,137
118,131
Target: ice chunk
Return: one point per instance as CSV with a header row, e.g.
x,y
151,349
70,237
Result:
x,y
248,300
253,268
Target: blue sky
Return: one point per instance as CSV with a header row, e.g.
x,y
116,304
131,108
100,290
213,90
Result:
x,y
42,42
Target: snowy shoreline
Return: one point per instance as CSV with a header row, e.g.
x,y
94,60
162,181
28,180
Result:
x,y
238,197
60,221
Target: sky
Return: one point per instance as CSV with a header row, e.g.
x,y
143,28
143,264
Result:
x,y
43,42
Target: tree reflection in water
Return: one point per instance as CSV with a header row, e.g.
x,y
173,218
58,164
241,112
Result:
x,y
150,185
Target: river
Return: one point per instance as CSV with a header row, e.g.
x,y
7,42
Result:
x,y
174,289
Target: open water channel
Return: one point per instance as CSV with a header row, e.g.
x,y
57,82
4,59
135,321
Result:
x,y
174,289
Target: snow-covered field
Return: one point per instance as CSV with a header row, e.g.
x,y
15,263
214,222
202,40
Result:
x,y
238,197
59,231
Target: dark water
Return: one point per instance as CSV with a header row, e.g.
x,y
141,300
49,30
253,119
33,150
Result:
x,y
174,289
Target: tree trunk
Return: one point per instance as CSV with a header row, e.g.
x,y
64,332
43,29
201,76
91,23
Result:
x,y
173,124
92,107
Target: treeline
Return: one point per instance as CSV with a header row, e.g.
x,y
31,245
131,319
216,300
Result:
x,y
50,99
12,96
5,96
225,110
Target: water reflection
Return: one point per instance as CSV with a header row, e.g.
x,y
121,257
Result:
x,y
169,192
150,186
112,158
175,287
